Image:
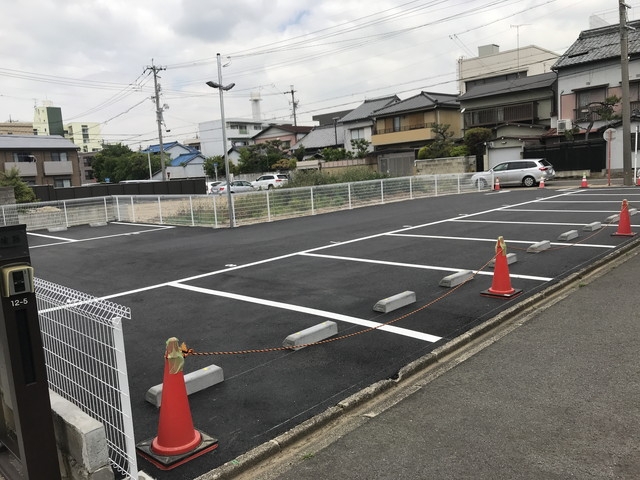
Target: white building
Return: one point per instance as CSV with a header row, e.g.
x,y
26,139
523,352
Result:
x,y
86,135
239,132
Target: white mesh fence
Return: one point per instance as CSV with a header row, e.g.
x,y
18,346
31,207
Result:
x,y
252,207
86,364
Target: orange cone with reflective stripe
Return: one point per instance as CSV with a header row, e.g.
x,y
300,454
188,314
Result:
x,y
624,224
542,182
584,183
177,441
496,185
501,284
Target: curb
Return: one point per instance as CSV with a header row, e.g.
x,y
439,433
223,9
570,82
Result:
x,y
549,296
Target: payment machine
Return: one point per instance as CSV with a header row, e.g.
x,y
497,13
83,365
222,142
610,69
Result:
x,y
26,425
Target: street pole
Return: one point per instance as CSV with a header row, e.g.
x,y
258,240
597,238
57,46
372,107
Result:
x,y
158,115
626,114
221,88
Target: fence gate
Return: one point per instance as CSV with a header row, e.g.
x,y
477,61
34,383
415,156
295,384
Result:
x,y
85,360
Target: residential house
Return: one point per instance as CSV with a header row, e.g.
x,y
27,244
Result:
x,y
41,160
288,135
491,65
519,112
588,73
327,136
239,133
183,161
358,124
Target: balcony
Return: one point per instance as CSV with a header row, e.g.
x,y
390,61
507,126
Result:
x,y
58,168
26,169
486,117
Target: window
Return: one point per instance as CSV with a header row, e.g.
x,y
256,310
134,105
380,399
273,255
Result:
x,y
396,124
585,97
357,133
85,134
23,157
58,156
61,182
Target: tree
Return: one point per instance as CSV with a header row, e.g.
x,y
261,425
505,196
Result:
x,y
361,146
441,144
331,154
210,168
261,157
475,138
21,190
117,163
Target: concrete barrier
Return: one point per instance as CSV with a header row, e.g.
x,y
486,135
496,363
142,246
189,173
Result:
x,y
456,279
569,235
592,227
539,246
511,258
194,381
314,334
395,302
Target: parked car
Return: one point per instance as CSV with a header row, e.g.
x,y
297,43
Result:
x,y
527,172
211,186
270,180
237,186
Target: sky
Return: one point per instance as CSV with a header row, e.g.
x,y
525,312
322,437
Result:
x,y
95,58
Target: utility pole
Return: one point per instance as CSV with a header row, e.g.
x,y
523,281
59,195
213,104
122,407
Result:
x,y
626,114
159,110
294,103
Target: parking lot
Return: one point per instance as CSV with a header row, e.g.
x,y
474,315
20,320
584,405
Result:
x,y
231,290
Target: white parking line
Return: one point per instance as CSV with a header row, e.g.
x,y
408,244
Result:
x,y
312,311
493,240
51,237
90,239
424,267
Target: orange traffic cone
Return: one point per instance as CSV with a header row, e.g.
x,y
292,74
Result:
x,y
542,182
501,284
584,183
638,181
496,185
177,441
624,224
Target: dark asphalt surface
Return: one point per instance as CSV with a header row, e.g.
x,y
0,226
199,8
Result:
x,y
190,280
554,395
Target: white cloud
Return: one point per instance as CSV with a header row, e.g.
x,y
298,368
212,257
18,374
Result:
x,y
89,56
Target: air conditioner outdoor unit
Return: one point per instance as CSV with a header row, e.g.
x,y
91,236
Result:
x,y
564,125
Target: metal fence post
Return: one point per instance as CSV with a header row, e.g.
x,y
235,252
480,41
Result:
x,y
313,209
381,191
268,207
106,211
193,223
435,177
133,210
66,219
160,210
411,188
215,212
349,188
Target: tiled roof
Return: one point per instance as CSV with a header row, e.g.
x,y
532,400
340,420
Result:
x,y
422,101
321,137
184,159
599,44
543,80
48,142
365,110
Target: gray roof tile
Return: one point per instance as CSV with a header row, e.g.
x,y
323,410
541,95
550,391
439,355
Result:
x,y
533,82
35,142
365,110
599,44
422,101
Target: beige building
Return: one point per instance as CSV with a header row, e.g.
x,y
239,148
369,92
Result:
x,y
86,135
492,65
16,128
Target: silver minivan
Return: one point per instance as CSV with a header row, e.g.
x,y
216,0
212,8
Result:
x,y
527,172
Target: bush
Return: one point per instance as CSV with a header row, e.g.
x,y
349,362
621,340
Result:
x,y
308,178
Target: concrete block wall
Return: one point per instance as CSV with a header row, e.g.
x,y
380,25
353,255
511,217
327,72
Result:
x,y
436,166
82,443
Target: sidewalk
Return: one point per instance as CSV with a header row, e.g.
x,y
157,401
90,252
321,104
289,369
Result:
x,y
554,394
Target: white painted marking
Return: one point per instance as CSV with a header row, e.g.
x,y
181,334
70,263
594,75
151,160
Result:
x,y
523,223
65,240
561,211
493,240
96,238
312,311
424,267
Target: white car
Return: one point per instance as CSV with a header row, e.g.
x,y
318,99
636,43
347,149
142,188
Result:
x,y
211,186
237,186
527,172
270,180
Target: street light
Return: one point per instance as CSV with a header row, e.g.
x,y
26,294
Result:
x,y
223,88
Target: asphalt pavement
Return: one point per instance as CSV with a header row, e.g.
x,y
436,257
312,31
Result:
x,y
550,393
